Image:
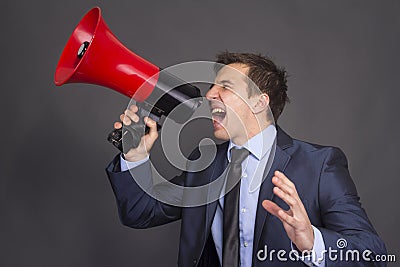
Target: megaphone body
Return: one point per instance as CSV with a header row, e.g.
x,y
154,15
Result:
x,y
94,55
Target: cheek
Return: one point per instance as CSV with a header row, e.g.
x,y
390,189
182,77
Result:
x,y
240,110
232,102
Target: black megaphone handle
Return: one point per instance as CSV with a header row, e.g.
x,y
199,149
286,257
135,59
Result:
x,y
129,136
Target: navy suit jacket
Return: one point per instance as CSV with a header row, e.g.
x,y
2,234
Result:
x,y
323,183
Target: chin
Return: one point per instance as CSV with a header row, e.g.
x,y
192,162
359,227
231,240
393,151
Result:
x,y
221,134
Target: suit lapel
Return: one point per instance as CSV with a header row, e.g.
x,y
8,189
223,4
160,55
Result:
x,y
218,171
199,219
279,162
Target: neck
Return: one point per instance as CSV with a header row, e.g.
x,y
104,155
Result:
x,y
251,131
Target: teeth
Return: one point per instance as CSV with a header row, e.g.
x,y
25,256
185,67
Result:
x,y
217,110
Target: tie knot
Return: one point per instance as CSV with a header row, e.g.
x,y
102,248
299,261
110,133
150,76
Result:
x,y
238,155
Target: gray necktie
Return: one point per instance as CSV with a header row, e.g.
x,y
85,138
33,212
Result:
x,y
231,247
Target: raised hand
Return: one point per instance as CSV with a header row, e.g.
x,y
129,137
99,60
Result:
x,y
295,220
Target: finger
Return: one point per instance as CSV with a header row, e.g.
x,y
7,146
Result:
x,y
132,115
284,178
277,211
153,133
125,119
134,108
284,187
291,201
287,185
117,125
285,217
271,207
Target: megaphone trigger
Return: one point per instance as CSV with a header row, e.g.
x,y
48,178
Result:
x,y
129,136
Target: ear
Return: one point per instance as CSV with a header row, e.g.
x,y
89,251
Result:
x,y
261,103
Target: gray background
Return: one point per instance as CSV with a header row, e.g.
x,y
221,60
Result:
x,y
57,208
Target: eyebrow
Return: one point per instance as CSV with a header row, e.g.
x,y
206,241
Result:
x,y
226,82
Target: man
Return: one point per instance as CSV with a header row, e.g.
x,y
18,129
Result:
x,y
301,208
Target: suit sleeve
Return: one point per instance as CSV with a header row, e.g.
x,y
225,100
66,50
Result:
x,y
345,223
137,207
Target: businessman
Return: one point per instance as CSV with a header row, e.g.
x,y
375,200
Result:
x,y
304,207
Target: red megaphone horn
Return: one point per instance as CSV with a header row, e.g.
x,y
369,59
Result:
x,y
94,55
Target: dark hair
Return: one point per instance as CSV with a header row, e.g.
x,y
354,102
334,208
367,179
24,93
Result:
x,y
265,75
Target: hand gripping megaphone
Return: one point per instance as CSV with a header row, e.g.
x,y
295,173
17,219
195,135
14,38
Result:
x,y
94,55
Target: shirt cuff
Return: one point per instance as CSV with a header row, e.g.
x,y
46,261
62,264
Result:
x,y
127,165
317,256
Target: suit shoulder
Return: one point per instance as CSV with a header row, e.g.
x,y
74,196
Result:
x,y
293,145
308,146
300,146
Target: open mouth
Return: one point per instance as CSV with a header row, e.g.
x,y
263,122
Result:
x,y
218,112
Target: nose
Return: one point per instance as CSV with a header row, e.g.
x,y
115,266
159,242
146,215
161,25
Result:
x,y
213,92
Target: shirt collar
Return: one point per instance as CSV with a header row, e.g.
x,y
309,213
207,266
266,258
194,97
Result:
x,y
258,145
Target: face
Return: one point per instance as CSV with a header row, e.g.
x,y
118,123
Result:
x,y
231,108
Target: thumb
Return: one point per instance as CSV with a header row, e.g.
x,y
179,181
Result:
x,y
153,133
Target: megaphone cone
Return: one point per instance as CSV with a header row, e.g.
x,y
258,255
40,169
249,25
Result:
x,y
94,55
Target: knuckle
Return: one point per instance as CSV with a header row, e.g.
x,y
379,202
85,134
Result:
x,y
290,191
276,190
292,201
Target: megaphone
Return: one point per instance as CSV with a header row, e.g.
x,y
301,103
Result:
x,y
94,55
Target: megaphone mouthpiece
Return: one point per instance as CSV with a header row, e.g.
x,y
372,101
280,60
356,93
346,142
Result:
x,y
82,49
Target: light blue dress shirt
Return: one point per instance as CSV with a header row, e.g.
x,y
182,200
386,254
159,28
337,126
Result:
x,y
252,173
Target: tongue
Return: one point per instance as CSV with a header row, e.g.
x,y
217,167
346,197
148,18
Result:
x,y
219,117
